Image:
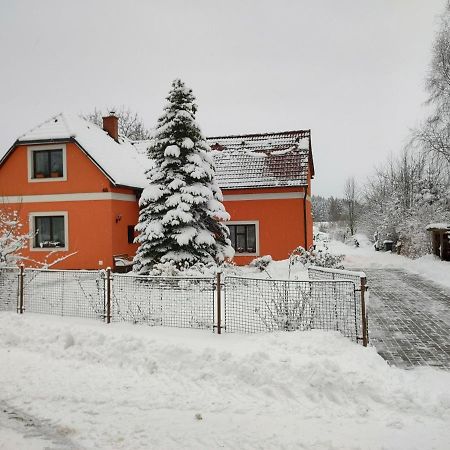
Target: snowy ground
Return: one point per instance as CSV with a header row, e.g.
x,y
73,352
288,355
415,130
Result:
x,y
120,386
409,306
429,266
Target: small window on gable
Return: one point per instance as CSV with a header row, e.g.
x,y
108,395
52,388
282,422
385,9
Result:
x,y
49,232
243,237
47,164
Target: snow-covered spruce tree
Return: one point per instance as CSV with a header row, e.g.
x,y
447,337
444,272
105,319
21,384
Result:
x,y
181,209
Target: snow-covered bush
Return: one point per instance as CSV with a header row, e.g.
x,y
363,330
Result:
x,y
229,268
171,269
315,258
261,263
288,311
181,211
12,238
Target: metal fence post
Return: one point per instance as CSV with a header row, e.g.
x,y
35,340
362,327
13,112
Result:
x,y
108,295
21,275
219,301
363,312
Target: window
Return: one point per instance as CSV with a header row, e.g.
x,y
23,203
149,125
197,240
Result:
x,y
47,163
49,231
243,237
130,231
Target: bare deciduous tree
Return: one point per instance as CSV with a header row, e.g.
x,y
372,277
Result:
x,y
434,135
351,204
12,237
130,124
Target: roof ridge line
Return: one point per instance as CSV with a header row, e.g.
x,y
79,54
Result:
x,y
39,125
65,118
307,132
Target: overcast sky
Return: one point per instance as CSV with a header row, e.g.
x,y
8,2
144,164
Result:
x,y
352,71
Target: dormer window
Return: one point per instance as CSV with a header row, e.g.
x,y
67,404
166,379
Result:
x,y
47,163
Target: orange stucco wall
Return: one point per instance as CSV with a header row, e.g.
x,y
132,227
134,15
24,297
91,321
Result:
x,y
95,232
281,221
82,175
97,229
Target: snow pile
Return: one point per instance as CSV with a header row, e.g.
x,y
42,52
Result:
x,y
126,387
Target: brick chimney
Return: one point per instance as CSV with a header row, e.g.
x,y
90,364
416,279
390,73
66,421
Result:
x,y
111,125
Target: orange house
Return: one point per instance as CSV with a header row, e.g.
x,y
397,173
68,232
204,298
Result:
x,y
76,188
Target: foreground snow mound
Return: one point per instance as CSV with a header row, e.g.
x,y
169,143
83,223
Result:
x,y
122,386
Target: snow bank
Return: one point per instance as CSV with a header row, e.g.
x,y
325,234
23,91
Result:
x,y
126,387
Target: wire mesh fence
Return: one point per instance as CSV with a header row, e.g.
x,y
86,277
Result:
x,y
247,305
258,305
9,289
358,278
64,293
163,301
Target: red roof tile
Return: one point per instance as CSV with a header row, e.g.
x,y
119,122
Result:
x,y
262,160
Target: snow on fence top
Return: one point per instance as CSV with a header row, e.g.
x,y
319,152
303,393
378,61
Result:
x,y
438,226
349,273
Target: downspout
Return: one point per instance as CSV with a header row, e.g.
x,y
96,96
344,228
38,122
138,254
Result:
x,y
304,217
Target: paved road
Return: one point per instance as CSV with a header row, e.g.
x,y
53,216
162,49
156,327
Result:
x,y
409,319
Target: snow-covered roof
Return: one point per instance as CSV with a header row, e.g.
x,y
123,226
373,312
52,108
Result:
x,y
244,161
118,160
262,160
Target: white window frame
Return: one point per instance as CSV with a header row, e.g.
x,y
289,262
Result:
x,y
35,148
247,222
31,217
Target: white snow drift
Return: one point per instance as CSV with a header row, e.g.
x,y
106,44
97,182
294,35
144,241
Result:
x,y
131,387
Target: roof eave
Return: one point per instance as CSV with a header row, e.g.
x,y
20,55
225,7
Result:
x,y
310,156
265,186
31,142
6,155
262,135
126,186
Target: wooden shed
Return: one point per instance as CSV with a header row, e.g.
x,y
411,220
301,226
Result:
x,y
440,238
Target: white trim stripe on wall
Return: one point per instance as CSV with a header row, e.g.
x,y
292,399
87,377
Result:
x,y
266,196
84,196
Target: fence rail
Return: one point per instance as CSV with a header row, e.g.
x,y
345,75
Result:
x,y
231,304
